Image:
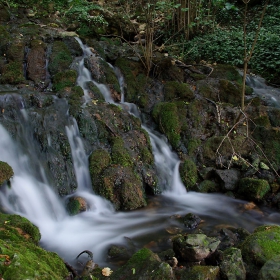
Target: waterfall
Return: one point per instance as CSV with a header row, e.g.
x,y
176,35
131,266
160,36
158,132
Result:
x,y
270,95
100,226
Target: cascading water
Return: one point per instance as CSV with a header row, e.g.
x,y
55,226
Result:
x,y
99,226
270,95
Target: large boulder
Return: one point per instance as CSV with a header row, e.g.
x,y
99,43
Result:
x,y
260,247
20,257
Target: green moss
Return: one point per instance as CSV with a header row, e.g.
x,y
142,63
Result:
x,y
98,161
122,187
192,146
254,189
205,90
198,272
64,79
166,116
188,172
262,245
197,77
73,207
119,153
6,172
12,73
28,261
207,186
174,90
135,79
16,227
4,39
60,58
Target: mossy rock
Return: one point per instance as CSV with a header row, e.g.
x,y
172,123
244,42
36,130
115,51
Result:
x,y
188,172
25,260
174,90
232,266
230,92
144,265
15,52
135,79
64,79
12,73
122,187
274,116
166,116
75,100
227,72
206,90
268,140
17,228
119,153
259,247
262,121
6,172
207,186
76,205
253,189
60,58
98,161
200,272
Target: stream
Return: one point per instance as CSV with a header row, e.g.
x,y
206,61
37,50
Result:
x,y
101,226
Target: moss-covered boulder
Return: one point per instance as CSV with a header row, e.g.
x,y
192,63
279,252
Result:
x,y
227,72
144,265
175,90
207,186
253,189
261,246
188,172
12,73
6,172
166,116
64,79
122,187
194,247
232,266
20,257
98,161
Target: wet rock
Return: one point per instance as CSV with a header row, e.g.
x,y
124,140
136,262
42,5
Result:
x,y
194,247
232,266
119,253
144,265
6,172
36,63
271,269
76,205
253,189
228,178
191,221
122,187
261,246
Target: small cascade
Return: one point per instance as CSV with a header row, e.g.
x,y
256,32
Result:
x,y
79,157
270,95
